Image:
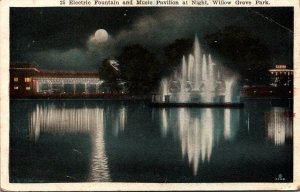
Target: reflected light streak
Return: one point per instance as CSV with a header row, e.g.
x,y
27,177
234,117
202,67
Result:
x,y
183,123
197,134
164,123
50,119
279,125
227,122
117,118
248,121
59,121
99,171
207,133
122,118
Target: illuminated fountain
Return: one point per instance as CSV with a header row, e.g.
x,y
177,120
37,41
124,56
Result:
x,y
198,80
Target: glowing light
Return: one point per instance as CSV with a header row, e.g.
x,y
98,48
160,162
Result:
x,y
279,126
227,123
197,132
101,36
99,171
164,122
199,79
59,121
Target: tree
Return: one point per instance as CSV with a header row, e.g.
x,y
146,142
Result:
x,y
140,69
110,73
241,52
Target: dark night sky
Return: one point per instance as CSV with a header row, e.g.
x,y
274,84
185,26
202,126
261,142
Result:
x,y
58,38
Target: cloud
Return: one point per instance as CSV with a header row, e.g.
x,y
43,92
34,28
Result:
x,y
153,30
72,59
162,27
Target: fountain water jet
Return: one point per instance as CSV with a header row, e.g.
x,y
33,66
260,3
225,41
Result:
x,y
183,94
228,90
164,88
200,82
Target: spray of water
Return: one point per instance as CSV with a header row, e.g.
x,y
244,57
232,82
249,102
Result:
x,y
199,78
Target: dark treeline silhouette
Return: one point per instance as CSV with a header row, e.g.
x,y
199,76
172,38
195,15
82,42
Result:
x,y
140,69
241,52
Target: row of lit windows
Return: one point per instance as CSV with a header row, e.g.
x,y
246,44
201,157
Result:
x,y
285,73
26,79
17,88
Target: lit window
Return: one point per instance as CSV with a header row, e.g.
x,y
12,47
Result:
x,y
27,79
16,79
27,88
16,87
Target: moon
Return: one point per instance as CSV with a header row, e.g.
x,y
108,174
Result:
x,y
101,36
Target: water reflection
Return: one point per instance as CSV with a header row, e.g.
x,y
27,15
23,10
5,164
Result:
x,y
279,125
198,130
164,123
227,123
99,171
116,118
59,120
116,141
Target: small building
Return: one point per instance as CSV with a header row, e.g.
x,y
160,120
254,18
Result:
x,y
281,76
280,85
21,79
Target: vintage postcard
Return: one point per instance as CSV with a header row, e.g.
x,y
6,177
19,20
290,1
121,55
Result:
x,y
149,95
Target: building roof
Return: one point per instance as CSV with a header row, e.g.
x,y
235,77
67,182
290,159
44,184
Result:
x,y
23,66
27,68
281,68
68,74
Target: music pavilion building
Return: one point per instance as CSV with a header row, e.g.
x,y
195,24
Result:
x,y
26,80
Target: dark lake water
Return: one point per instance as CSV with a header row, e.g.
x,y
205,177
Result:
x,y
115,141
